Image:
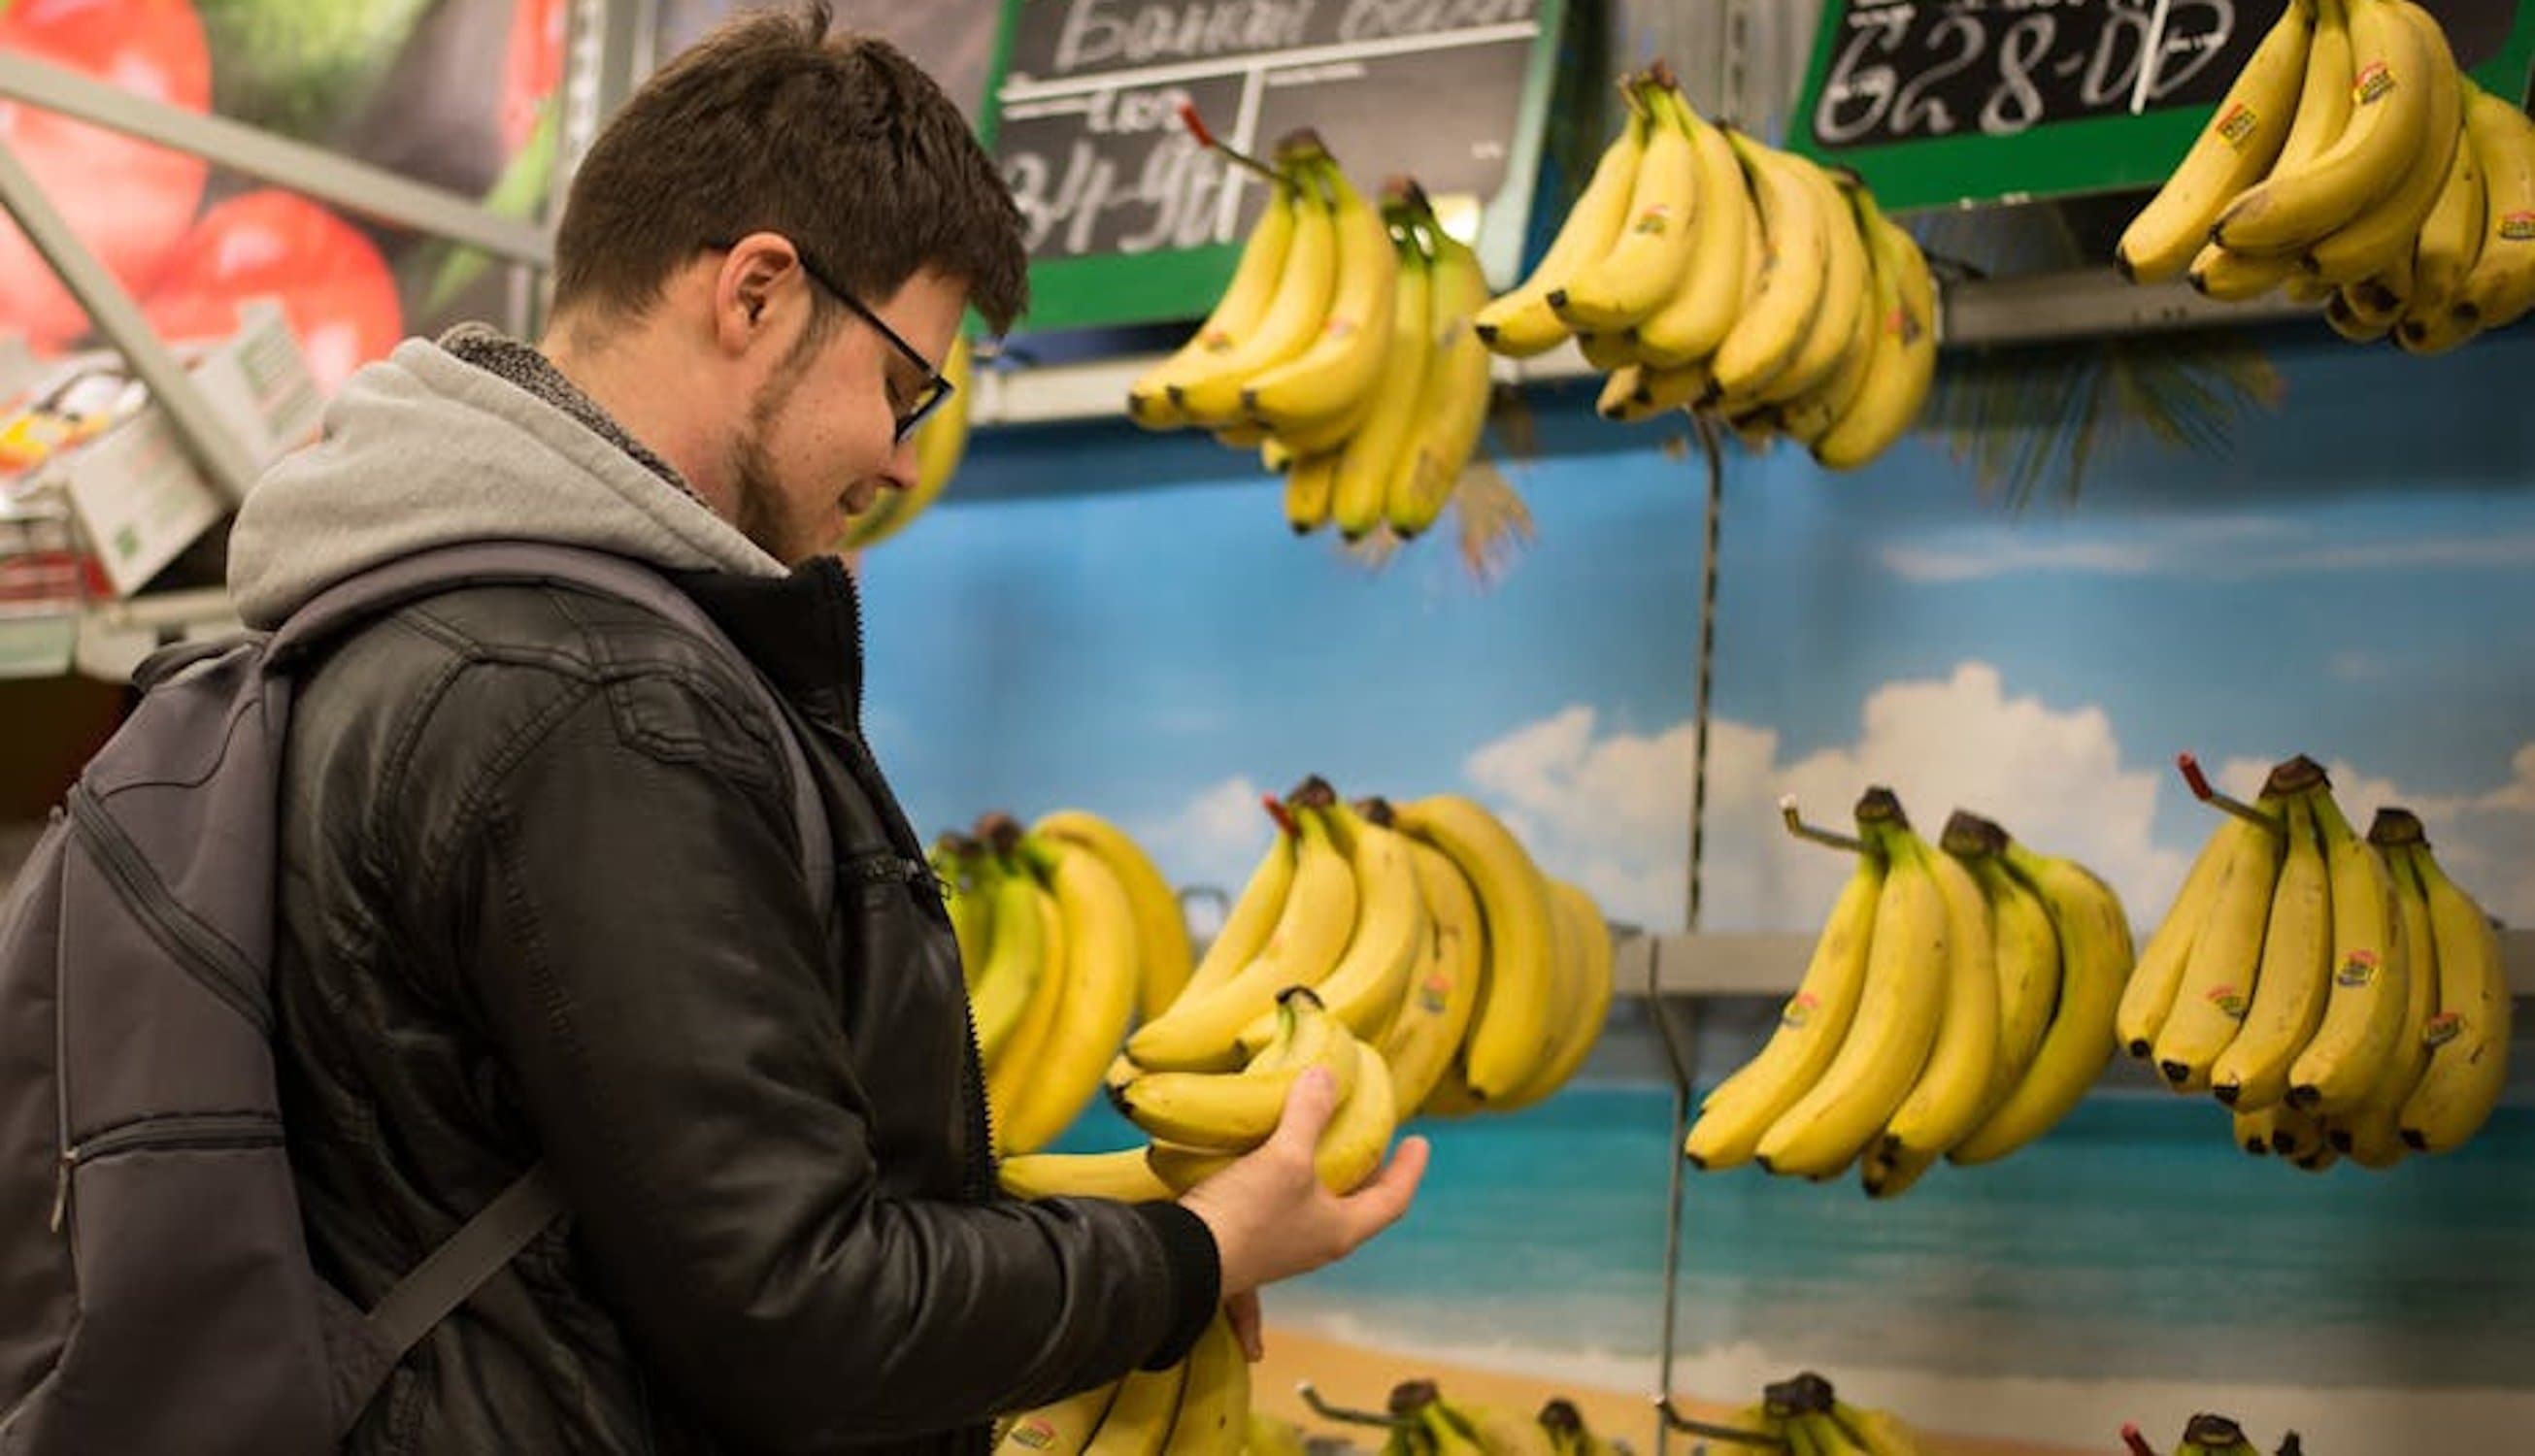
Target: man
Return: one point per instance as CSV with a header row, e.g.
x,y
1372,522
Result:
x,y
543,896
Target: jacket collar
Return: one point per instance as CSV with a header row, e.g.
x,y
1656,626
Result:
x,y
803,630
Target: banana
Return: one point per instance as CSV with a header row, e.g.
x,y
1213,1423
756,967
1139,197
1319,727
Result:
x,y
940,442
2373,1135
2364,1014
1511,1022
1811,1028
1214,1405
2296,1135
1123,1174
2390,227
2502,284
1016,956
2094,938
2469,1035
1846,292
1346,353
2028,947
1251,921
1374,454
1618,289
2353,323
1955,1087
1877,1432
1012,1079
2296,976
954,860
2244,137
1775,325
1351,1148
1520,324
1905,367
1208,392
1234,1111
1163,953
2433,328
2253,1129
1138,1422
1097,1001
1237,315
1643,391
2391,97
1809,416
1311,490
1197,1032
1444,1437
1063,1428
1687,326
1496,1432
1452,399
1895,1024
1366,986
1585,942
1270,1435
2232,277
1436,1012
2216,985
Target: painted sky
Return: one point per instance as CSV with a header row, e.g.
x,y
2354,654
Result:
x,y
1120,620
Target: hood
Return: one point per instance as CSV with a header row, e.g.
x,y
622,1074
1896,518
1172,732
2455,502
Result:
x,y
425,449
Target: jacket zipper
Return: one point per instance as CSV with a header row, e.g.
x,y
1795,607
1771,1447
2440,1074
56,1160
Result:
x,y
201,953
174,1130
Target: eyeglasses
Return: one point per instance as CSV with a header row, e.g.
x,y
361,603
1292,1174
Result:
x,y
928,394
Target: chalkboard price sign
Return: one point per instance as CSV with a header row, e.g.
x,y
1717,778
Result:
x,y
1943,101
1129,219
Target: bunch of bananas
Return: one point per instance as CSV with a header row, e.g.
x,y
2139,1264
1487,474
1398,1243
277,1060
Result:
x,y
1415,951
2353,164
1425,1424
1958,1002
1065,929
1342,351
1702,268
1804,1415
1200,1407
2213,1436
2339,994
940,442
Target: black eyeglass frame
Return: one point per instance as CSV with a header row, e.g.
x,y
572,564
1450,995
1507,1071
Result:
x,y
935,388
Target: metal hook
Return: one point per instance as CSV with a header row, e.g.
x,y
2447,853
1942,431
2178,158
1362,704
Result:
x,y
2208,793
1205,137
1676,1421
1312,1397
1802,831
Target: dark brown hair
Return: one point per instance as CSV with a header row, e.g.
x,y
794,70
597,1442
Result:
x,y
839,143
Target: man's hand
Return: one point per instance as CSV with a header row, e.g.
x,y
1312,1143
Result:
x,y
1270,1217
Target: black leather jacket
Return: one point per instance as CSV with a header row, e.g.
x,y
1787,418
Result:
x,y
542,900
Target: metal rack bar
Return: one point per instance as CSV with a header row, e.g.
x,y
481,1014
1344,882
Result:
x,y
312,171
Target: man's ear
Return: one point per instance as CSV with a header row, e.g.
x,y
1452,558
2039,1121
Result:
x,y
748,287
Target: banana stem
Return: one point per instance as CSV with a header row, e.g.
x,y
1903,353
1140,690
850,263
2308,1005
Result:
x,y
1678,1422
2136,1442
1206,138
1802,831
1278,811
1312,1397
2208,793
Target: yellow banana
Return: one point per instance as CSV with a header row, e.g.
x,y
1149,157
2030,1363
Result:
x,y
1271,1435
2243,139
1373,455
1234,1111
1507,1028
2094,938
2390,227
1618,289
1123,1174
1208,392
1163,955
2469,1035
1451,400
2296,1135
1237,313
2373,1135
1809,416
2450,240
1811,1028
1016,958
1876,1432
1098,999
1585,942
2150,997
2322,111
1197,1033
1904,366
2026,944
955,863
1895,1025
2217,985
2353,323
2364,1014
1496,1432
2389,117
1311,489
2502,284
1687,326
1012,1079
2296,976
2233,278
1363,989
1251,921
1775,325
1063,1428
1214,1403
1351,1148
1847,291
1520,324
1642,391
2253,1129
1954,1089
1436,1013
1345,355
1138,1421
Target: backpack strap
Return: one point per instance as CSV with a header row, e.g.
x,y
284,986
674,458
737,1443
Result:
x,y
459,1266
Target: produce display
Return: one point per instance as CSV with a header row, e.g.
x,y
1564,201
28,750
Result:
x,y
1702,270
1200,1407
2352,163
2340,995
1958,1002
940,442
1414,950
1342,351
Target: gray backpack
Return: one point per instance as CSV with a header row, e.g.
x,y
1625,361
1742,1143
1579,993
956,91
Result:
x,y
156,1289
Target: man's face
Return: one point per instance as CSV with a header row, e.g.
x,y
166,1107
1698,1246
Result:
x,y
818,443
